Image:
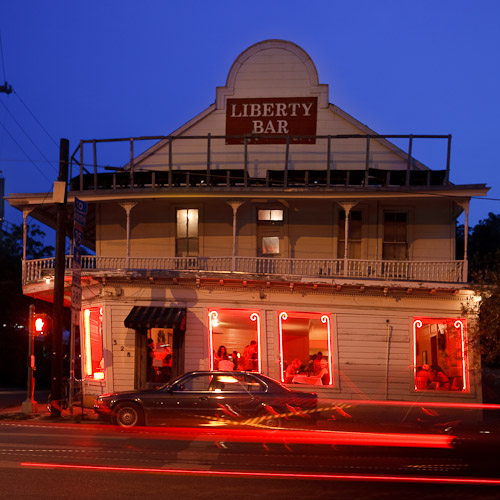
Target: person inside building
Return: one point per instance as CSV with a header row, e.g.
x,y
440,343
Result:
x,y
424,377
320,368
251,356
151,354
443,382
291,370
224,361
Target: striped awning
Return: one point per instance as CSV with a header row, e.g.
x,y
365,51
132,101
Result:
x,y
156,317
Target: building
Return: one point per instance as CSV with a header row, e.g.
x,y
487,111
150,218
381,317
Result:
x,y
275,217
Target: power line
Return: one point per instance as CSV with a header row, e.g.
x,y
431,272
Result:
x,y
26,134
26,154
36,119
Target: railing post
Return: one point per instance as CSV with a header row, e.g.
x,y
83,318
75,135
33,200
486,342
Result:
x,y
94,152
170,161
209,136
131,162
408,165
367,159
448,159
81,166
328,161
245,161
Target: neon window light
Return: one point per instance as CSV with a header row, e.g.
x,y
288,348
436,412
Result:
x,y
92,331
248,322
283,316
452,346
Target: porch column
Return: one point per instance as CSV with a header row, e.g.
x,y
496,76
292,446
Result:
x,y
128,206
465,205
26,212
347,206
234,204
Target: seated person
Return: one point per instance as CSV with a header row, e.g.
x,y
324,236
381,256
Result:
x,y
424,372
440,377
292,370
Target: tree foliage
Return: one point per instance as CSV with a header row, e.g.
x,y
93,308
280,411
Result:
x,y
484,273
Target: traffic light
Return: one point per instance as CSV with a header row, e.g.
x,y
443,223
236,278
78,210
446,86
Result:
x,y
40,324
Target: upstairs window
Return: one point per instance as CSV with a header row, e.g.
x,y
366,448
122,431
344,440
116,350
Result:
x,y
187,241
395,244
354,243
266,215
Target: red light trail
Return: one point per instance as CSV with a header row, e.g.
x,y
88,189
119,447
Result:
x,y
275,475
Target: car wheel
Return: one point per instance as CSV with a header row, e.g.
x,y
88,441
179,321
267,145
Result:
x,y
271,420
128,415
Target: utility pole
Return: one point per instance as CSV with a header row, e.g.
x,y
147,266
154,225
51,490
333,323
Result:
x,y
6,88
58,311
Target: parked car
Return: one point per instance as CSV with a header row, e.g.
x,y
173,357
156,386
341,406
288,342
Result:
x,y
209,396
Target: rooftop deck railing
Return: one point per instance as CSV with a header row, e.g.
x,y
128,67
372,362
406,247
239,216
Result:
x,y
282,171
426,271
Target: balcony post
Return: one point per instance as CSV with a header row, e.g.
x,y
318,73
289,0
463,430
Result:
x,y
465,205
128,206
347,206
26,212
234,204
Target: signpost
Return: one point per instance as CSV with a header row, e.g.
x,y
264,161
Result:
x,y
80,215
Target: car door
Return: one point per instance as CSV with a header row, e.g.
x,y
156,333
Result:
x,y
183,403
236,395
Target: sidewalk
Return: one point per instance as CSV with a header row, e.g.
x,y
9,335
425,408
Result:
x,y
15,413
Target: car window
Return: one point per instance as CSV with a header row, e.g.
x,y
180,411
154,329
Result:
x,y
195,383
236,383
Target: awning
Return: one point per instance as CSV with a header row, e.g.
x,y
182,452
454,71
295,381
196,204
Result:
x,y
156,317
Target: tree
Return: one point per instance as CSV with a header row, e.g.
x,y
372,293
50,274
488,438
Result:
x,y
14,305
484,272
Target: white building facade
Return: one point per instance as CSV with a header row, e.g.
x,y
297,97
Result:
x,y
275,217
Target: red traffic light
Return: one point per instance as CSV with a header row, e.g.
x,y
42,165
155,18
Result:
x,y
41,324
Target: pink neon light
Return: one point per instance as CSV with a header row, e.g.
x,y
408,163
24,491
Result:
x,y
284,475
282,317
416,324
326,319
459,324
212,316
256,317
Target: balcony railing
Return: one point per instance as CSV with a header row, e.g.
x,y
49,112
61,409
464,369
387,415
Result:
x,y
428,271
205,161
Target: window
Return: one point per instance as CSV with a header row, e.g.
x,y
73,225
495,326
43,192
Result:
x,y
93,354
270,245
305,340
395,245
194,383
187,243
270,215
354,243
234,339
440,357
237,382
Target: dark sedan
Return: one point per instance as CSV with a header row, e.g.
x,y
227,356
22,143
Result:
x,y
210,397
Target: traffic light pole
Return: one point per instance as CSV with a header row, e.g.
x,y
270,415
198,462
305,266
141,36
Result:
x,y
58,314
30,405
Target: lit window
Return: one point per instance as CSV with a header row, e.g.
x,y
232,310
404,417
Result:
x,y
270,245
270,215
187,244
93,352
440,357
305,344
234,339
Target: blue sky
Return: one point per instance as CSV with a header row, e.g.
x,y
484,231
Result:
x,y
104,69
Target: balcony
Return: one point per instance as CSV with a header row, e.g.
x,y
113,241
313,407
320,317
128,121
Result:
x,y
258,267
